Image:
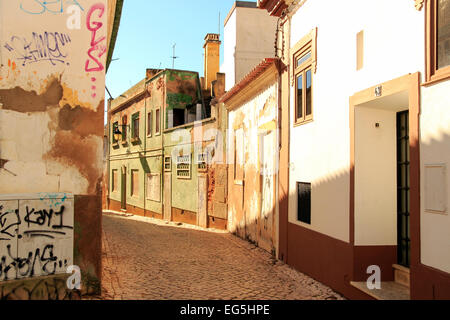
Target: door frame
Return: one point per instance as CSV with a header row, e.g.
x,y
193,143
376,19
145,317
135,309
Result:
x,y
411,84
271,242
123,188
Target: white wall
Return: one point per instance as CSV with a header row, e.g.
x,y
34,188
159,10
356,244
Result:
x,y
249,37
435,150
375,177
320,152
394,45
255,39
229,43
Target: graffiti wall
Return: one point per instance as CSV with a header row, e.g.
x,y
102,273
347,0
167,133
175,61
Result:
x,y
52,75
36,235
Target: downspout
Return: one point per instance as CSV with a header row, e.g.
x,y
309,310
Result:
x,y
145,143
284,149
162,116
108,153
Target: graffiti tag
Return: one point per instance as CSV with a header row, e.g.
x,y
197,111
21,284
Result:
x,y
22,256
47,46
98,44
52,6
38,261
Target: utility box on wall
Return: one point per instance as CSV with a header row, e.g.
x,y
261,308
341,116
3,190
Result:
x,y
36,235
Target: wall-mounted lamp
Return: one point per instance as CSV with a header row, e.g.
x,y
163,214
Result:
x,y
117,133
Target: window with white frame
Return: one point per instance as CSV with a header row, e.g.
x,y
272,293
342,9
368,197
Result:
x,y
184,167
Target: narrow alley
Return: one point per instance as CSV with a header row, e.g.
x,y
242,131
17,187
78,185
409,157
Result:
x,y
148,260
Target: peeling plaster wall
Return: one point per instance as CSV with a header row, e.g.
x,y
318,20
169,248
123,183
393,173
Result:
x,y
51,108
48,101
244,206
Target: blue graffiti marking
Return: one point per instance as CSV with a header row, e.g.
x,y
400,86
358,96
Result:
x,y
54,6
54,200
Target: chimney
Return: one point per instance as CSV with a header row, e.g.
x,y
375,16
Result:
x,y
212,58
218,86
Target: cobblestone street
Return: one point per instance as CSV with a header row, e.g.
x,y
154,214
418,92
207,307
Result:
x,y
143,260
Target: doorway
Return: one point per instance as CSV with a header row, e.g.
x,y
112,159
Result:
x,y
123,194
266,219
385,178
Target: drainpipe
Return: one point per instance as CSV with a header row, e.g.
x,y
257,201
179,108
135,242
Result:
x,y
108,153
145,142
162,126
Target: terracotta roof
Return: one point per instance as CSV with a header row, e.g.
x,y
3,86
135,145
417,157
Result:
x,y
275,7
255,73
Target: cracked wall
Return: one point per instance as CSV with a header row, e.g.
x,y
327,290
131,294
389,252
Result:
x,y
52,79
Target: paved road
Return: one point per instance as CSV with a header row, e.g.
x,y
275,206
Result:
x,y
142,260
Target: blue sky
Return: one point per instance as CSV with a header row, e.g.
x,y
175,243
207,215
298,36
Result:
x,y
148,30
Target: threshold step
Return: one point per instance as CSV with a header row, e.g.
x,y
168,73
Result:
x,y
388,291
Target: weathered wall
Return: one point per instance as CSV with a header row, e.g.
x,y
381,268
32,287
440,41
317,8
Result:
x,y
248,210
191,139
36,236
42,288
166,90
51,108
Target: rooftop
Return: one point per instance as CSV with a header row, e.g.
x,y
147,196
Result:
x,y
240,4
252,75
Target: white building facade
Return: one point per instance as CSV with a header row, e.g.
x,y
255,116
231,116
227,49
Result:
x,y
366,143
249,37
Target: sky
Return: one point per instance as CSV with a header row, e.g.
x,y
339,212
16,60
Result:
x,y
149,29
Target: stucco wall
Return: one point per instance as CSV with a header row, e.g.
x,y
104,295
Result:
x,y
255,115
320,150
249,37
375,177
324,158
435,150
51,109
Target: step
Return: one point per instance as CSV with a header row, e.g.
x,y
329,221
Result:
x,y
389,291
401,275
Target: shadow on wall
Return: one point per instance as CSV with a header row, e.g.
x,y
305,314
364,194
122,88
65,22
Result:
x,y
336,263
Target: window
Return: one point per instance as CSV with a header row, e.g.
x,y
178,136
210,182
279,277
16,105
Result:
x,y
184,167
202,162
158,121
359,50
438,40
304,202
167,164
135,127
304,66
124,128
114,181
115,127
154,187
303,98
239,156
149,124
135,183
